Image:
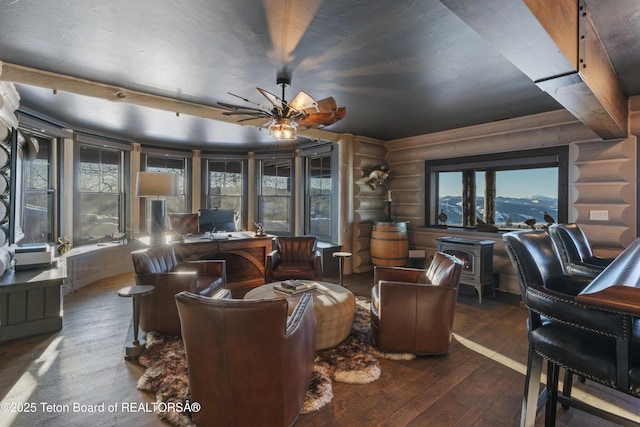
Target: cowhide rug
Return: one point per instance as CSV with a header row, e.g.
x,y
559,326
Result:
x,y
354,361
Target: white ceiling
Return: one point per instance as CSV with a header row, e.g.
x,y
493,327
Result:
x,y
401,68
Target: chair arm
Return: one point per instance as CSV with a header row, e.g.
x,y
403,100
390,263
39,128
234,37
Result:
x,y
584,270
317,265
399,274
206,268
222,293
569,285
597,261
564,309
184,280
387,287
299,314
273,259
299,351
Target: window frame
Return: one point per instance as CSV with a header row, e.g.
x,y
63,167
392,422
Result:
x,y
50,190
206,182
124,210
278,157
322,151
514,160
158,154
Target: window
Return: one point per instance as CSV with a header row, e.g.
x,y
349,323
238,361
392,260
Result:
x,y
170,164
99,207
320,195
226,184
39,195
508,191
275,191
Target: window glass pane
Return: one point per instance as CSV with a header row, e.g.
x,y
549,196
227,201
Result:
x,y
99,170
275,200
99,205
480,186
99,215
506,190
225,185
450,197
110,177
170,165
319,208
38,198
526,194
166,164
89,169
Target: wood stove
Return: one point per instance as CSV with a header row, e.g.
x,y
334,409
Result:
x,y
477,256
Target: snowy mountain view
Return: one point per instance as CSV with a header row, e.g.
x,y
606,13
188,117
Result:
x,y
511,212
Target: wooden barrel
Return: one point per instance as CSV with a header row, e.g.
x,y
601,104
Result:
x,y
389,244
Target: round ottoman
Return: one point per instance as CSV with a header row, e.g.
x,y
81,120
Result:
x,y
333,306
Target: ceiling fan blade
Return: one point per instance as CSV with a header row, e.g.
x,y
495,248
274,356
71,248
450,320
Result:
x,y
273,99
323,119
245,113
239,107
259,121
244,99
303,101
326,105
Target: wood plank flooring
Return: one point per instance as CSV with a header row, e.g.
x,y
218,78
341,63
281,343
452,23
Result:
x,y
479,383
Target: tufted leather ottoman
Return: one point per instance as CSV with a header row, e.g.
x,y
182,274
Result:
x,y
333,306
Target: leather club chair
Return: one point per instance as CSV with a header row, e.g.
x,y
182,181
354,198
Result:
x,y
412,309
593,343
575,251
294,258
159,267
249,363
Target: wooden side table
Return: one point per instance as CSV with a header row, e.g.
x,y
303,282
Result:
x,y
134,349
341,256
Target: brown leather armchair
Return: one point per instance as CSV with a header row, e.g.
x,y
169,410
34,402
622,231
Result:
x,y
294,258
249,363
412,309
159,267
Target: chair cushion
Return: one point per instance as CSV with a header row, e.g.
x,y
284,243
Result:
x,y
297,248
154,260
294,270
590,355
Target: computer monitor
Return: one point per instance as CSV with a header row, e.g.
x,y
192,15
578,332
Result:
x,y
216,220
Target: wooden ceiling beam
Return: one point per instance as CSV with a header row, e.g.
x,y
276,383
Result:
x,y
59,82
556,44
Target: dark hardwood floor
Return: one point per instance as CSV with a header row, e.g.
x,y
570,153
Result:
x,y
479,383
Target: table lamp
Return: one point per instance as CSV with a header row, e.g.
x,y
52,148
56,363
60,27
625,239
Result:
x,y
157,186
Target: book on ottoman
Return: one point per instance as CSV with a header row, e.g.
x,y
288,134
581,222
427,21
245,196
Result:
x,y
295,287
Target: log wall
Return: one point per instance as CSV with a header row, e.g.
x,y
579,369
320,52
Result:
x,y
602,177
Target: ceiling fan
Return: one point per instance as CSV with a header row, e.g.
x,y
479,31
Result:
x,y
284,117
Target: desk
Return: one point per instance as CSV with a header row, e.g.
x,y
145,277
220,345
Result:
x,y
245,255
134,349
618,286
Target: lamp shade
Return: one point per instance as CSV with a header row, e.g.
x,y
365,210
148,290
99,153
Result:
x,y
157,184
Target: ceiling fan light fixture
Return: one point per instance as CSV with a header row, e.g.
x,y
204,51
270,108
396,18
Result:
x,y
284,117
283,129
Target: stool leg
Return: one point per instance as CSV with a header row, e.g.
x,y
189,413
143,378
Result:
x,y
136,319
341,268
531,388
